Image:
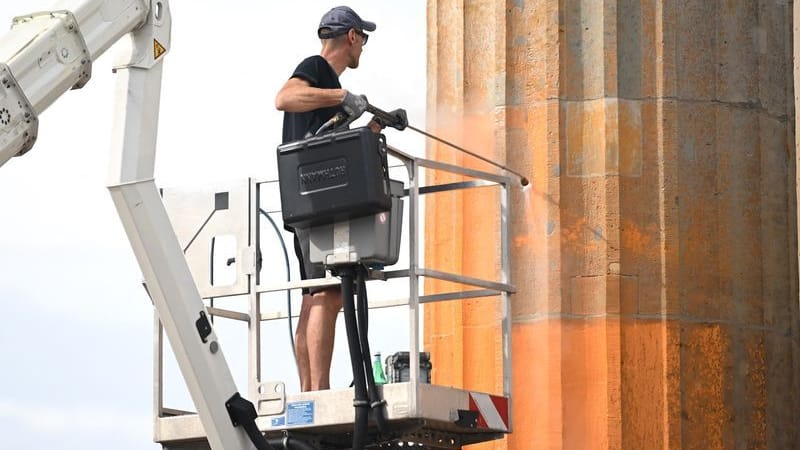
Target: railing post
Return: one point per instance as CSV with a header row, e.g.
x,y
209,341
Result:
x,y
413,297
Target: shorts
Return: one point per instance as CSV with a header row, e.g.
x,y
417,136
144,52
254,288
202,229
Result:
x,y
308,270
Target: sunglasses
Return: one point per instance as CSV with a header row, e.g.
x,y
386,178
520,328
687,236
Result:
x,y
363,35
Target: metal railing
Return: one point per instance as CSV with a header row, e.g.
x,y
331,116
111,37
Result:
x,y
415,273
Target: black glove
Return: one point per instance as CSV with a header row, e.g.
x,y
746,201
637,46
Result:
x,y
400,121
354,105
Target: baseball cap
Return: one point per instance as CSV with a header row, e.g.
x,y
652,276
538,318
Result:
x,y
339,20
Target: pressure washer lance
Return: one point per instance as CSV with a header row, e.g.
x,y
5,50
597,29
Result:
x,y
388,119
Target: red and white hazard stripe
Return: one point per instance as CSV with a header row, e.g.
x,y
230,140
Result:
x,y
492,410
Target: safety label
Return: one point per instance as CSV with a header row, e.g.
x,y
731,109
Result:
x,y
300,413
158,49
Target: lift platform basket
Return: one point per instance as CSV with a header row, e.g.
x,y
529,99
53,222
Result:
x,y
333,177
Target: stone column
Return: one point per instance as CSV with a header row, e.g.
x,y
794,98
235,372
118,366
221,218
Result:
x,y
655,252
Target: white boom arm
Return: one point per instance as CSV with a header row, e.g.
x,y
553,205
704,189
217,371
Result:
x,y
46,54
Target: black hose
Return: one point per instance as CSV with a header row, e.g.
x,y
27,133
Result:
x,y
288,278
333,122
361,400
290,443
256,437
211,273
375,400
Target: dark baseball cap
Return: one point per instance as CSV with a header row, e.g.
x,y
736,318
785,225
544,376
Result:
x,y
339,20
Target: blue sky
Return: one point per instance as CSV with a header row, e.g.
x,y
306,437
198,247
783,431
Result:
x,y
77,327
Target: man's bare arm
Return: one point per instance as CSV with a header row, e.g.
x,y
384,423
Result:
x,y
298,96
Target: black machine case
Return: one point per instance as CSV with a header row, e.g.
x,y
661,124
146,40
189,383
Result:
x,y
333,177
398,367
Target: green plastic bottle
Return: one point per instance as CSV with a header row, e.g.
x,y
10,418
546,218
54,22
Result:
x,y
377,369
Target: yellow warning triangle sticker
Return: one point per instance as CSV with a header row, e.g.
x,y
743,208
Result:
x,y
158,49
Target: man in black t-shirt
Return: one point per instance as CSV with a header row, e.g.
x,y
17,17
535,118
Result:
x,y
311,97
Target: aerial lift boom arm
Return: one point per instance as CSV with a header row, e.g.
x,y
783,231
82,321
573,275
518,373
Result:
x,y
46,54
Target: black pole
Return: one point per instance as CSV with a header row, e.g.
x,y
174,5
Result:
x,y
375,400
361,400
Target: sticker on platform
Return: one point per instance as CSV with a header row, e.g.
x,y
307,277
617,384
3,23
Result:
x,y
300,413
279,421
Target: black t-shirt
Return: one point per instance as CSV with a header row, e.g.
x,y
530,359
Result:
x,y
319,74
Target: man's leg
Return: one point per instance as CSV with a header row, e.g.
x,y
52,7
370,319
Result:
x,y
317,323
300,341
301,345
323,308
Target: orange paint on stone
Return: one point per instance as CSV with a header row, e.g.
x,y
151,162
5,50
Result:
x,y
588,373
654,252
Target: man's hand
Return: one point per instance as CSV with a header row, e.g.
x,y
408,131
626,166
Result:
x,y
375,125
354,105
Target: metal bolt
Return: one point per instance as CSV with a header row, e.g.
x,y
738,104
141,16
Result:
x,y
213,347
